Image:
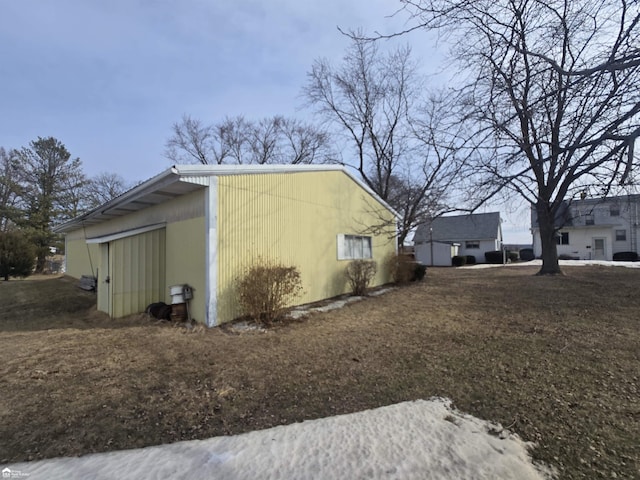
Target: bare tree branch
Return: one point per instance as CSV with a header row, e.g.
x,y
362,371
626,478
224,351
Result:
x,y
236,140
554,100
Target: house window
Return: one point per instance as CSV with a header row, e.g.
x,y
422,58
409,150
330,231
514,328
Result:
x,y
472,244
563,238
588,219
621,235
614,211
353,247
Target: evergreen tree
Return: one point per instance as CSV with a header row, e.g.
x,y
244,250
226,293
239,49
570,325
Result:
x,y
17,255
50,179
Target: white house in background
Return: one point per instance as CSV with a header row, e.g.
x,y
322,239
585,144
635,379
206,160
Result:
x,y
594,228
444,237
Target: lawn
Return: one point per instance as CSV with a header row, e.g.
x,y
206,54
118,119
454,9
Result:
x,y
557,359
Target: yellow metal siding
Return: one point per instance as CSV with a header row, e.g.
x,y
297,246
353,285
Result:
x,y
137,270
178,211
80,258
186,262
294,219
181,208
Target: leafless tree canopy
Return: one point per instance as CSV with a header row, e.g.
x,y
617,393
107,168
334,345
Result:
x,y
374,101
104,187
552,94
236,140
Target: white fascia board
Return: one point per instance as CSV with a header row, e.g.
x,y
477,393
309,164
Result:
x,y
126,233
219,170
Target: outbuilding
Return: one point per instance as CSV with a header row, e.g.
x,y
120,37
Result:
x,y
202,225
469,235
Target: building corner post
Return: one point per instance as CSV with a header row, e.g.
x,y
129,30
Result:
x,y
211,226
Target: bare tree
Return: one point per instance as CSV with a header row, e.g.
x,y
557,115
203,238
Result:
x,y
236,140
191,142
372,99
263,141
72,199
232,135
551,92
104,187
305,143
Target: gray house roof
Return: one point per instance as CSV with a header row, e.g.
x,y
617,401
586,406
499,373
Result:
x,y
477,226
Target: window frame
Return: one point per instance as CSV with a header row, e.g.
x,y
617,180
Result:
x,y
614,211
621,235
589,219
562,238
472,244
348,248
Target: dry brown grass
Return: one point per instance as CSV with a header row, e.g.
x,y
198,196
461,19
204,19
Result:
x,y
558,358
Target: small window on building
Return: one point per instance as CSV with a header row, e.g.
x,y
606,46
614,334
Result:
x,y
588,219
472,244
621,235
614,210
563,238
354,247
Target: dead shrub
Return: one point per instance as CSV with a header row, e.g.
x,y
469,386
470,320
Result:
x,y
359,274
401,268
267,288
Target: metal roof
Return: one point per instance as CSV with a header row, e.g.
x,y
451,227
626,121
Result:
x,y
182,179
476,226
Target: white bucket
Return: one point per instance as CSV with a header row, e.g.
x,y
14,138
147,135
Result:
x,y
177,294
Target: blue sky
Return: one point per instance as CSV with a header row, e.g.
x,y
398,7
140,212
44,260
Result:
x,y
109,79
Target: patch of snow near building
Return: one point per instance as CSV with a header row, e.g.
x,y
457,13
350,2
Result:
x,y
563,263
304,310
411,440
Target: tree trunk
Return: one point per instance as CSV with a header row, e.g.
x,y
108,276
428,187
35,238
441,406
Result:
x,y
41,261
546,223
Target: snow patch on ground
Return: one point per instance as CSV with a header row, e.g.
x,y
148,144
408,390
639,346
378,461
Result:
x,y
411,440
563,263
304,310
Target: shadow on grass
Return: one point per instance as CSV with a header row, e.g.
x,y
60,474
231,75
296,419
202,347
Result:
x,y
46,303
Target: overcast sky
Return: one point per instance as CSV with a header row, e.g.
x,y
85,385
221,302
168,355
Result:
x,y
108,79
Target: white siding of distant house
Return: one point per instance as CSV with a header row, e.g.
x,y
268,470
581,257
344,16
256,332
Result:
x,y
581,243
442,253
582,235
484,246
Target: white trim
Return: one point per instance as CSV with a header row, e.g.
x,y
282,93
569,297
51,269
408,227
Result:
x,y
127,233
219,170
211,235
340,246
